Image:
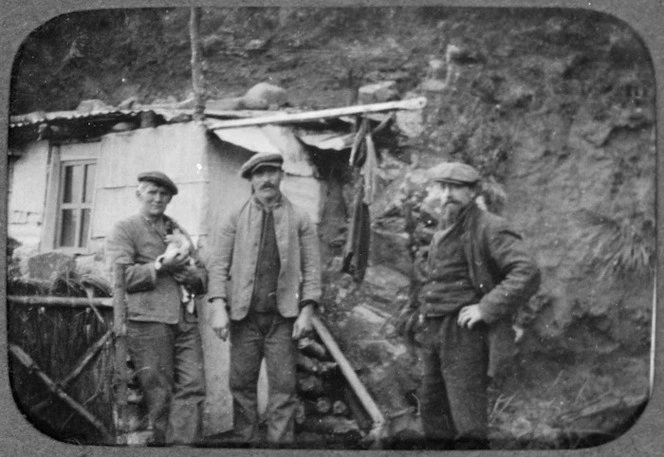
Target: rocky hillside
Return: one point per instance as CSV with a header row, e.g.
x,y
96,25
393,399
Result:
x,y
554,108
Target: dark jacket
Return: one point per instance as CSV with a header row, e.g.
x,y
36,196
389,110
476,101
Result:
x,y
235,255
503,274
151,296
501,270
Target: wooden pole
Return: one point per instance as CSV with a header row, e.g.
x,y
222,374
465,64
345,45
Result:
x,y
47,300
87,357
120,331
27,361
196,65
285,118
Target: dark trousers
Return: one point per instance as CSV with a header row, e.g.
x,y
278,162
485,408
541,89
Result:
x,y
258,336
168,359
454,387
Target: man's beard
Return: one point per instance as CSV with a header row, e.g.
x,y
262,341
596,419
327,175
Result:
x,y
451,214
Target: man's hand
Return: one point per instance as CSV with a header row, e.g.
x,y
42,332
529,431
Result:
x,y
171,264
302,324
219,320
470,315
185,275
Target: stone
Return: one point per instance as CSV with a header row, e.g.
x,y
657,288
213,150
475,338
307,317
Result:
x,y
264,95
224,104
410,123
391,248
386,284
378,93
49,265
88,106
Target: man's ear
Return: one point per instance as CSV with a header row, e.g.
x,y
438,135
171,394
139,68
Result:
x,y
138,193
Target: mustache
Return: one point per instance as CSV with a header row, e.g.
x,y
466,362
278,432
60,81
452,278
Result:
x,y
267,185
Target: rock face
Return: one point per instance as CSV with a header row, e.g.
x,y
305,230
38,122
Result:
x,y
569,164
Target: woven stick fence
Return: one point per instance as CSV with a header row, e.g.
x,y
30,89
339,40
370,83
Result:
x,y
61,363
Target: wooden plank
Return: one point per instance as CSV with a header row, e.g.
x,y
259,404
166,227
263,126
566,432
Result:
x,y
281,118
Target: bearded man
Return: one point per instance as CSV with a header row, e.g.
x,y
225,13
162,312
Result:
x,y
476,274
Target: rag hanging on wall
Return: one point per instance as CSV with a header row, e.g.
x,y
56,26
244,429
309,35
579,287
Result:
x,y
362,158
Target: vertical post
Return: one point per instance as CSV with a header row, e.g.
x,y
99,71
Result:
x,y
196,66
120,333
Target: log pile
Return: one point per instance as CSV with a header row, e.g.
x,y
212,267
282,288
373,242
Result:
x,y
324,411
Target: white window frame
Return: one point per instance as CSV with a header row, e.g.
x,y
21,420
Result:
x,y
61,156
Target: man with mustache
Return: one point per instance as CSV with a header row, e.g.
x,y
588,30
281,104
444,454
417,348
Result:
x,y
476,274
162,331
268,250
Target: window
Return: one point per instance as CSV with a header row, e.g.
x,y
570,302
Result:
x,y
77,184
70,194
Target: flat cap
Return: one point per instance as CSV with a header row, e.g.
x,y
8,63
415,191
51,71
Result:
x,y
159,178
454,172
259,160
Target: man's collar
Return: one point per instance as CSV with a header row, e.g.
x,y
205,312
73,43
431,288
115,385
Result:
x,y
276,203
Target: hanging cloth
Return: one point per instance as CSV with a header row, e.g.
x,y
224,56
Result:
x,y
356,251
369,170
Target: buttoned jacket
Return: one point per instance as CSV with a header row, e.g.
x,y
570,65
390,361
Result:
x,y
503,273
232,263
151,295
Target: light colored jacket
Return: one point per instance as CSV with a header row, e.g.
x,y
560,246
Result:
x,y
234,258
151,296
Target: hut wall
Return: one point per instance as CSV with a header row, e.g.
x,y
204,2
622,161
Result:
x,y
306,193
226,190
27,193
179,150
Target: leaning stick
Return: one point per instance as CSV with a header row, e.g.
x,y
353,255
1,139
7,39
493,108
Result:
x,y
25,359
350,375
87,357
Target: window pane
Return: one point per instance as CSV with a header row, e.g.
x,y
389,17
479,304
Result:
x,y
89,186
85,227
67,184
68,228
73,184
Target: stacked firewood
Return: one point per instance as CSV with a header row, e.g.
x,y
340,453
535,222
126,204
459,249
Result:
x,y
327,404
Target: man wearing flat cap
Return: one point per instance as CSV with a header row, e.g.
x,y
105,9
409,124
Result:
x,y
163,339
476,274
268,250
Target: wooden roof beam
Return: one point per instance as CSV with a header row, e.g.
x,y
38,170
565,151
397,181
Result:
x,y
284,118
